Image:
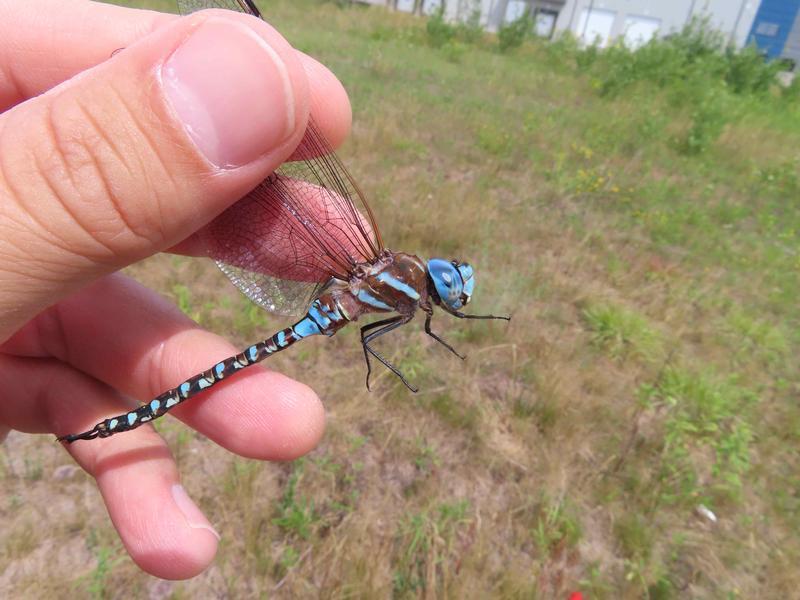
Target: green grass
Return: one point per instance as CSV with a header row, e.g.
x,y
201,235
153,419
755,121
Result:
x,y
638,216
429,548
622,333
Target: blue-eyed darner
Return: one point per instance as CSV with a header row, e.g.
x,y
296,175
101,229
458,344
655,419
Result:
x,y
305,241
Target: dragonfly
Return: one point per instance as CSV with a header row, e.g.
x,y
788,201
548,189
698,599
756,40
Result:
x,y
305,242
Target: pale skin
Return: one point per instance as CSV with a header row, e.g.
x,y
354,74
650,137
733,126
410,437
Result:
x,y
101,172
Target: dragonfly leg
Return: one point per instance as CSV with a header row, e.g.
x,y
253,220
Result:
x,y
387,326
461,315
437,338
364,330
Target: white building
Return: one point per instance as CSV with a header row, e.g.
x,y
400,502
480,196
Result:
x,y
600,21
636,21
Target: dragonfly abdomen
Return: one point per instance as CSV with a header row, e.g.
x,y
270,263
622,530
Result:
x,y
323,317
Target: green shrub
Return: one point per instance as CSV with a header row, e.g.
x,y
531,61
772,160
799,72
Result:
x,y
511,35
439,31
708,120
748,72
471,30
697,54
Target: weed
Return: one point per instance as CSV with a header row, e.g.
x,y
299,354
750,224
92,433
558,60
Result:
x,y
240,479
426,458
251,319
622,332
554,525
289,558
296,515
428,548
754,338
456,414
454,51
705,412
438,30
511,35
470,30
707,121
634,535
97,582
183,298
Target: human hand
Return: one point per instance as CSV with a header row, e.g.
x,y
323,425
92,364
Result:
x,y
117,159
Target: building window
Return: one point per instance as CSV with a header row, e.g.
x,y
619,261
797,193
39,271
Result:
x,y
767,29
595,26
545,22
515,9
640,30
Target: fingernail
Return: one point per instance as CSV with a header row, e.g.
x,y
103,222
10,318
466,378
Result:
x,y
195,518
231,91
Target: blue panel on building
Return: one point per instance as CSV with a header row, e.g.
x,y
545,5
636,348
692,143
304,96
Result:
x,y
772,25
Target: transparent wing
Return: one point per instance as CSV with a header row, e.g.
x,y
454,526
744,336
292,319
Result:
x,y
279,296
189,6
301,226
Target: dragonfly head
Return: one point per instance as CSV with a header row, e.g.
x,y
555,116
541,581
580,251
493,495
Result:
x,y
451,283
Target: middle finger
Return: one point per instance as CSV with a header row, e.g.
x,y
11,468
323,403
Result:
x,y
127,336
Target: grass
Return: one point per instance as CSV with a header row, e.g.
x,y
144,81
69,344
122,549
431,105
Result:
x,y
638,216
620,332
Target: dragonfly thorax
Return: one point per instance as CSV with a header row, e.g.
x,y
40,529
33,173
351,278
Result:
x,y
394,282
450,283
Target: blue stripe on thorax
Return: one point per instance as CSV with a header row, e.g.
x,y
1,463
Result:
x,y
398,285
368,298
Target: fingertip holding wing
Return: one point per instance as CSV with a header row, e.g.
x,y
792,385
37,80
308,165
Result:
x,y
290,229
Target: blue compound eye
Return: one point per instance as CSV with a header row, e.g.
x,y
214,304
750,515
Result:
x,y
465,270
447,281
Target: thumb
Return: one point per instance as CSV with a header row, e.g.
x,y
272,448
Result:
x,y
132,156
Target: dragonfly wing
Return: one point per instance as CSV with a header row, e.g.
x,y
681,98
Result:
x,y
305,223
279,296
279,244
189,6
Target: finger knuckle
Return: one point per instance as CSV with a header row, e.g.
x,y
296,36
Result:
x,y
86,157
96,162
